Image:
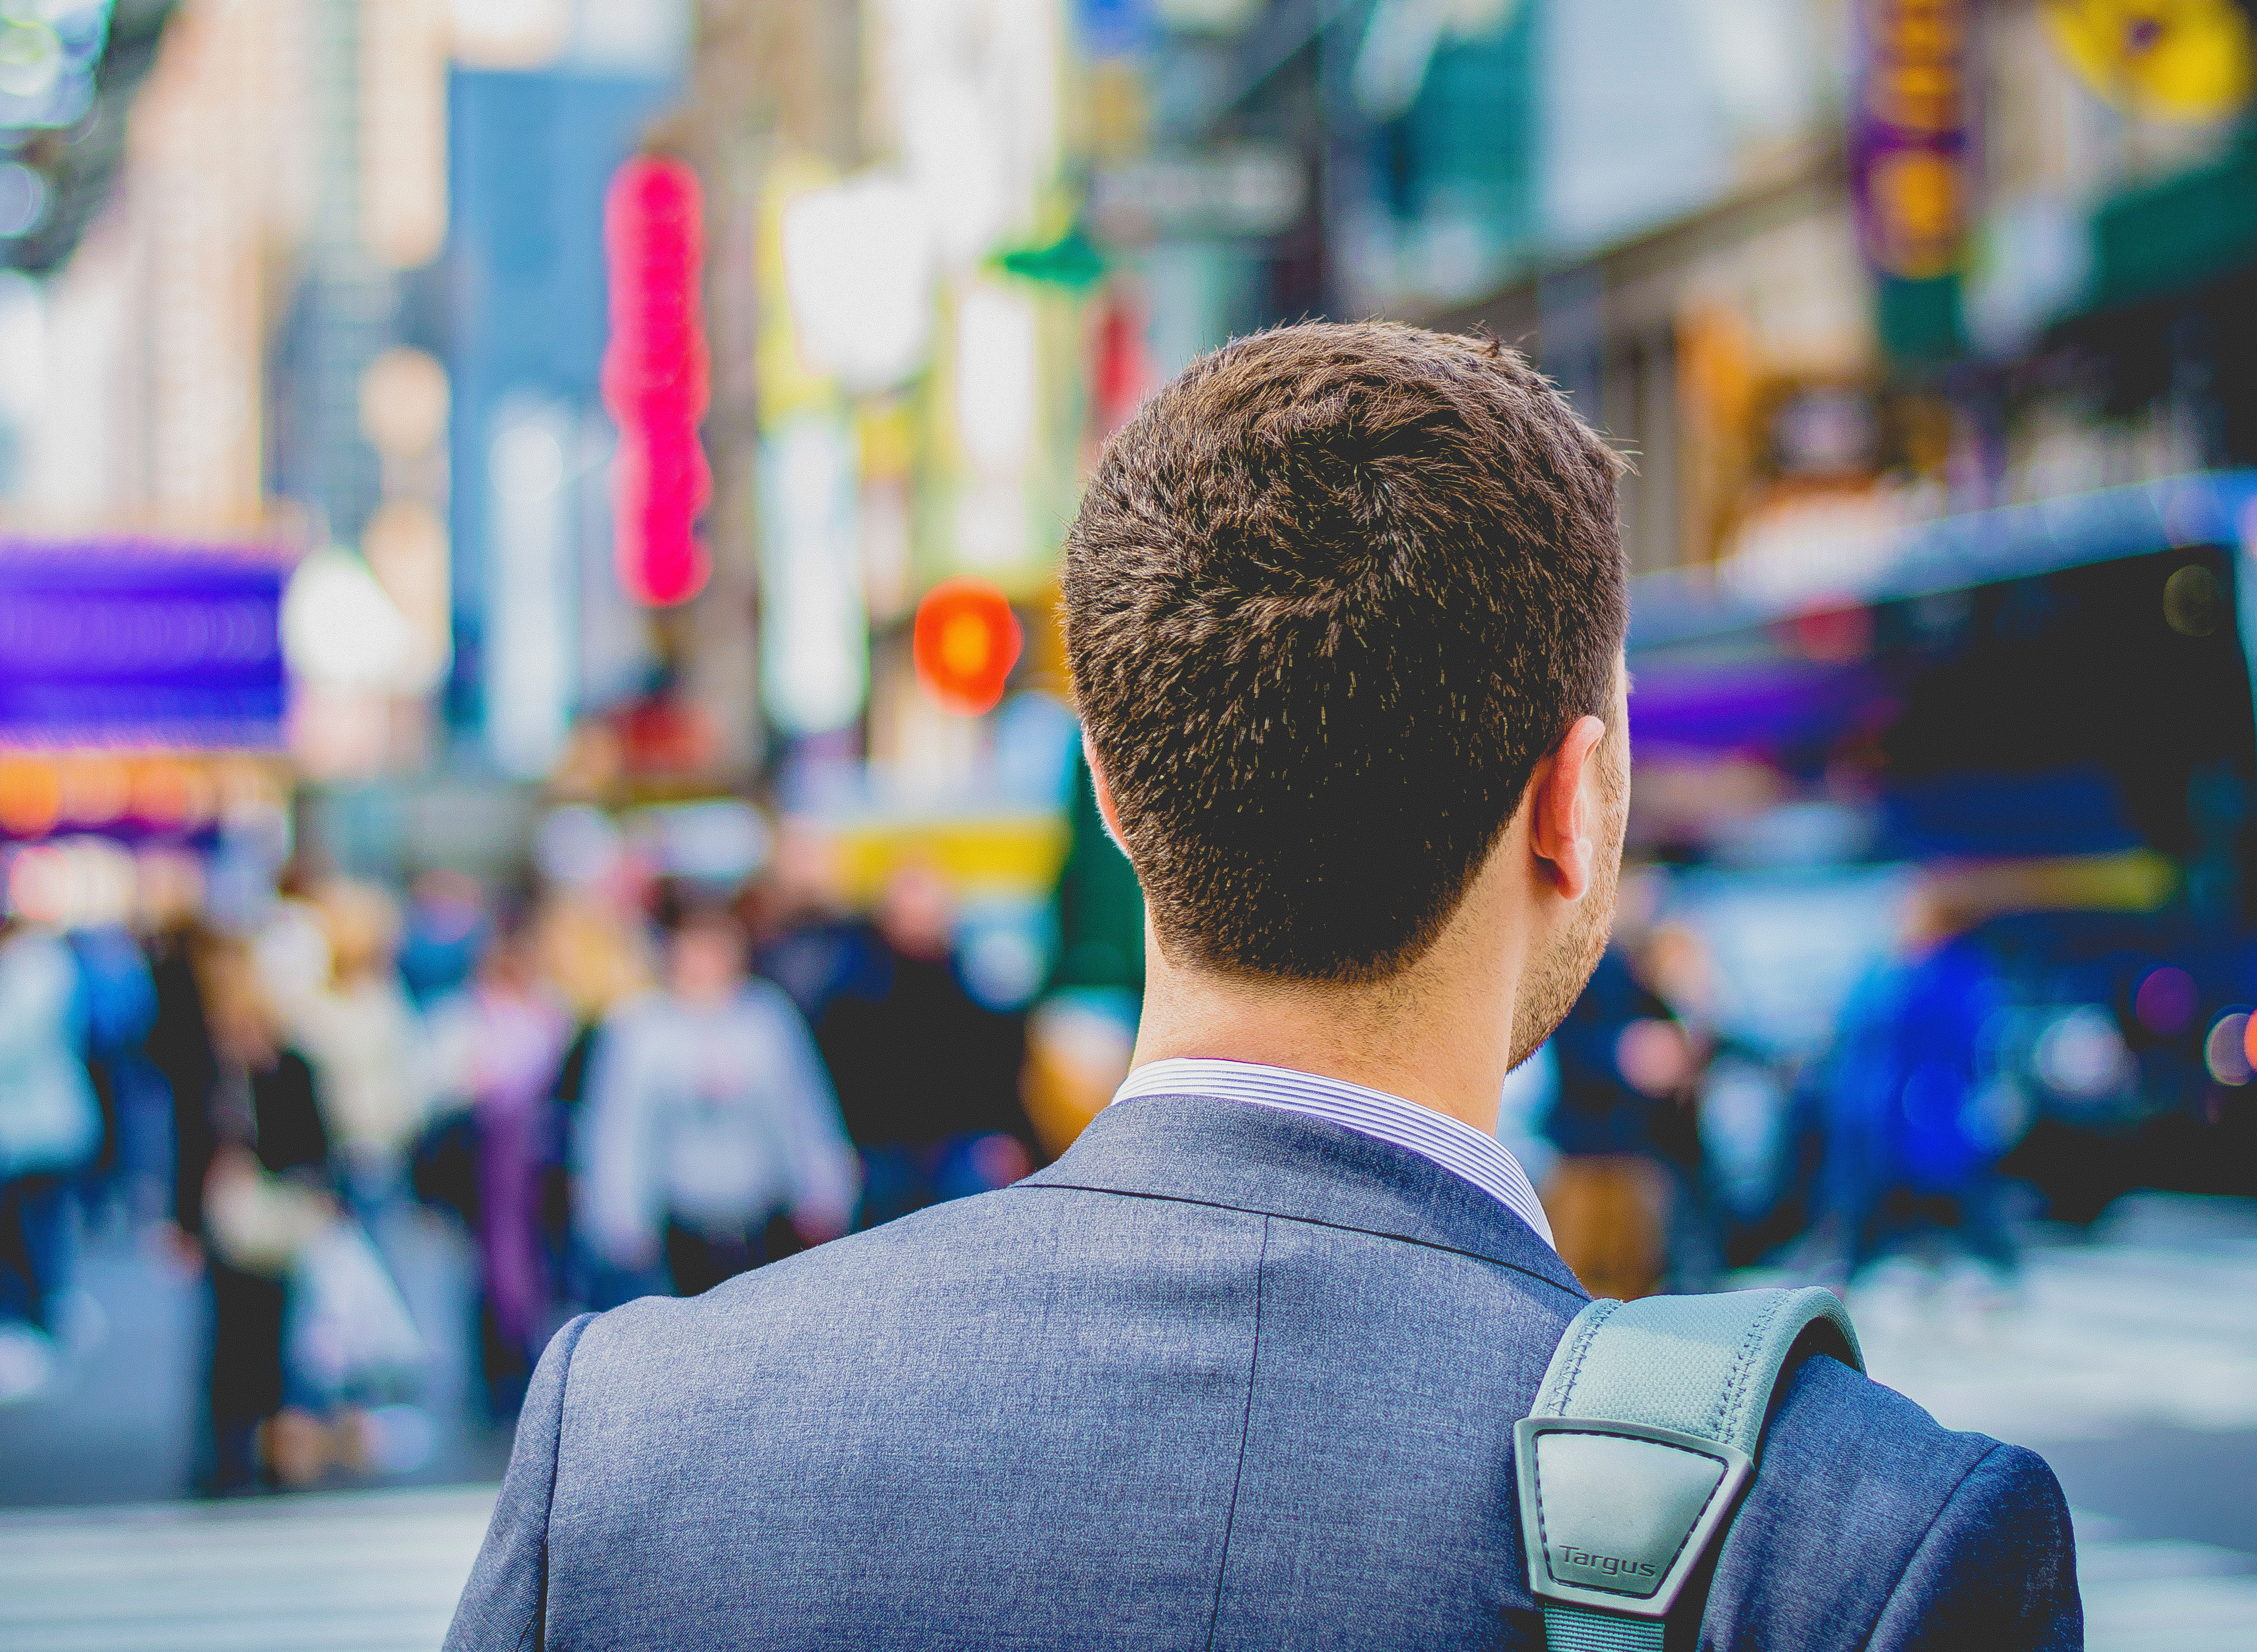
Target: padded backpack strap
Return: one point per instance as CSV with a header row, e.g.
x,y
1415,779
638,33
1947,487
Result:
x,y
1643,1439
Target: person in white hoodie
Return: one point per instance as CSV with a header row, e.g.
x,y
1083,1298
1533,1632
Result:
x,y
712,1142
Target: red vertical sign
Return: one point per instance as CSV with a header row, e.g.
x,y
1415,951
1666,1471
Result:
x,y
655,378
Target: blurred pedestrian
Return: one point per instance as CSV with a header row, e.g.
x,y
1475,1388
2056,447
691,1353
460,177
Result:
x,y
711,1142
511,1034
180,1041
927,1076
594,957
355,1024
49,1130
1672,962
120,1005
803,938
1911,1164
1623,1057
444,934
253,1186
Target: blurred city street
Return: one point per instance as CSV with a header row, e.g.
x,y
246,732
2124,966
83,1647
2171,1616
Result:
x,y
120,1424
362,1571
540,758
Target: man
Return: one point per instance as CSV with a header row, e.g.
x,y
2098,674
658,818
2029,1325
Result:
x,y
1345,609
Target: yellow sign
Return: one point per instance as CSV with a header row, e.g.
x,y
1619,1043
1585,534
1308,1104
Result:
x,y
1007,855
2133,881
2168,60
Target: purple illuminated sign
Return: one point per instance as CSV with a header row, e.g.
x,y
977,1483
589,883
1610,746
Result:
x,y
1910,163
140,643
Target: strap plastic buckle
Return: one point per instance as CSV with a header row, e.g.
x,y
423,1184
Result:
x,y
1617,1516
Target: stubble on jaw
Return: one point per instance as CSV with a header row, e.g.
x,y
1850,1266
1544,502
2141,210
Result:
x,y
1553,984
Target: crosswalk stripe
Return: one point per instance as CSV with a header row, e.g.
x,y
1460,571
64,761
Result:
x,y
374,1571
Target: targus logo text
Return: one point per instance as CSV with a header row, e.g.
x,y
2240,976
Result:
x,y
1610,1565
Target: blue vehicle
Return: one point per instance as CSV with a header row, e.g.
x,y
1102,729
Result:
x,y
2041,717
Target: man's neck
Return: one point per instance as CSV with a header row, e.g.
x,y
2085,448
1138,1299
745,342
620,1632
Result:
x,y
1426,1035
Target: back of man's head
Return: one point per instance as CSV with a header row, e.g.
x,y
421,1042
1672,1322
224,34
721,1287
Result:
x,y
1330,597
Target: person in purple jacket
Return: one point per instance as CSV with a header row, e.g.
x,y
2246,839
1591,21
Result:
x,y
510,1034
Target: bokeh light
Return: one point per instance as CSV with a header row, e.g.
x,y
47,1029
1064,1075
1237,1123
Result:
x,y
95,789
2226,1052
39,884
31,796
30,56
24,197
2194,603
966,640
339,627
2166,1001
169,793
403,402
2081,1055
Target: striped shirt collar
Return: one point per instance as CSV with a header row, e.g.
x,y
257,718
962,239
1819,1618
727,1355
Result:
x,y
1454,1145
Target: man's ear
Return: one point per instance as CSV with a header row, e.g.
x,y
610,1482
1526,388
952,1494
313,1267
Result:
x,y
1563,809
1106,812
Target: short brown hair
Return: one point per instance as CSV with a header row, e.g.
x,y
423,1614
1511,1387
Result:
x,y
1329,599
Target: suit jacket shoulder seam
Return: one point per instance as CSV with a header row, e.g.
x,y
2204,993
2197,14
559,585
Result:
x,y
1245,1431
536,1633
1918,1548
1312,1221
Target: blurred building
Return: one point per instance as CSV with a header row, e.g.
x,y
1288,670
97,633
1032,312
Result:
x,y
900,304
659,404
74,69
1939,410
543,631
1852,315
144,701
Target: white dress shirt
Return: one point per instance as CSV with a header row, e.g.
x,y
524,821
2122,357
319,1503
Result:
x,y
1454,1145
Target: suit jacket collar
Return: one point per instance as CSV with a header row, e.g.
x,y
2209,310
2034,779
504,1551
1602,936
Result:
x,y
1275,1162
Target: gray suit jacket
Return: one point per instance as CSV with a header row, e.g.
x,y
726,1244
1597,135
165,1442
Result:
x,y
1223,1376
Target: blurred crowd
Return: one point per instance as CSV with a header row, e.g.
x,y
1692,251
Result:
x,y
1670,1151
615,1092
649,1086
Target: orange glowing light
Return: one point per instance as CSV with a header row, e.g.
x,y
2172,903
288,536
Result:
x,y
167,792
31,797
95,790
964,643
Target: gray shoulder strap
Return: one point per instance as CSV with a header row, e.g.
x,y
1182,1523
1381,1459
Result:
x,y
1643,1438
